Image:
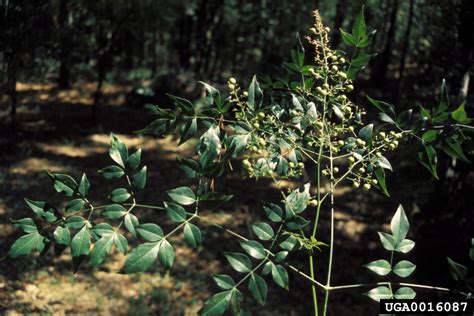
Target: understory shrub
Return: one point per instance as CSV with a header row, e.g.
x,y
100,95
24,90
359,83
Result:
x,y
276,129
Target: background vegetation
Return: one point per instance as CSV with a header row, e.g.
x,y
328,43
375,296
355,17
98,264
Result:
x,y
67,68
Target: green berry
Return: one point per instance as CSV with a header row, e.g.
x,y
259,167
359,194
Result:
x,y
367,186
292,164
313,203
355,184
261,115
246,163
256,125
262,141
351,160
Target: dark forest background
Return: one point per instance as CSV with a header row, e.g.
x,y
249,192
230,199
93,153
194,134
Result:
x,y
72,68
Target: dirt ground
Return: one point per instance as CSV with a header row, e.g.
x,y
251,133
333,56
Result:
x,y
56,133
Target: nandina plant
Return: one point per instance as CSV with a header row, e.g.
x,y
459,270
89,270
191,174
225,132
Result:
x,y
277,129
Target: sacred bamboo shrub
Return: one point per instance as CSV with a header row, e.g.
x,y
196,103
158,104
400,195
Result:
x,y
276,130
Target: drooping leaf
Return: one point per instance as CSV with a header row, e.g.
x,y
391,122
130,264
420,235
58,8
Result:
x,y
119,195
460,115
380,176
114,211
185,105
236,145
133,161
103,229
190,167
405,293
209,146
166,253
297,222
101,249
273,212
405,246
75,205
224,281
280,256
263,231
189,130
150,232
175,212
81,242
380,267
380,293
213,199
297,201
112,172
258,287
192,235
217,304
239,262
62,235
76,222
428,158
289,243
253,248
458,271
347,38
388,242
25,244
131,221
404,268
366,132
182,195
139,179
141,257
28,225
42,209
120,243
280,276
64,183
430,135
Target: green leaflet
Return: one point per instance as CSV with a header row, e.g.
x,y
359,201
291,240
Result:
x,y
81,242
101,249
26,244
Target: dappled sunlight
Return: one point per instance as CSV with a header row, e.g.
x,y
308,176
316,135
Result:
x,y
35,165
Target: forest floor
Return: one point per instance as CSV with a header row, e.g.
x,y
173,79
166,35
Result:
x,y
56,133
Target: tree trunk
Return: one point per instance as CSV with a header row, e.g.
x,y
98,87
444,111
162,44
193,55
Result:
x,y
64,66
11,89
406,45
341,8
381,65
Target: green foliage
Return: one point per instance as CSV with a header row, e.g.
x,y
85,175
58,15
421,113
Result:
x,y
276,128
394,242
